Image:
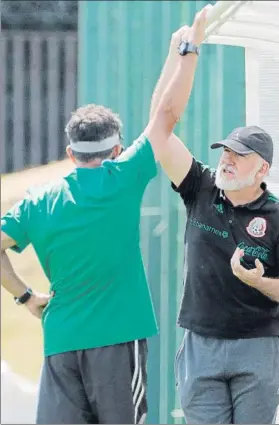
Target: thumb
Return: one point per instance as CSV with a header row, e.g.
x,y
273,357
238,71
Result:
x,y
259,266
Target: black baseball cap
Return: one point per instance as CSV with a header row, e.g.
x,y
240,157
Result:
x,y
246,140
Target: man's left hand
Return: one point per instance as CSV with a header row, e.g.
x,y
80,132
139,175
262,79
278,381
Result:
x,y
250,277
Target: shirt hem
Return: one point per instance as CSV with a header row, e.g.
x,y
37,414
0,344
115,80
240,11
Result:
x,y
89,346
265,331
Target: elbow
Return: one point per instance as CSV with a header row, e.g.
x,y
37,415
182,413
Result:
x,y
160,129
167,116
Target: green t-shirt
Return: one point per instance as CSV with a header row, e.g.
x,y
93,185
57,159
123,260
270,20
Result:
x,y
85,232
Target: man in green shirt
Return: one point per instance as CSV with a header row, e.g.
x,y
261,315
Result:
x,y
85,231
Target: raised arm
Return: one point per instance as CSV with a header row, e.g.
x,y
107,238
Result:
x,y
169,100
168,70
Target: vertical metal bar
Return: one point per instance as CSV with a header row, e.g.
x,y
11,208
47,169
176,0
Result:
x,y
35,99
18,102
3,104
102,42
181,224
123,57
267,90
165,252
141,91
165,307
53,98
146,60
70,79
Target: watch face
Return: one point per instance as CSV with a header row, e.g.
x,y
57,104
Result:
x,y
186,47
183,48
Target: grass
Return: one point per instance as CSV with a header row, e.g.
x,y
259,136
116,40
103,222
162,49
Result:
x,y
21,334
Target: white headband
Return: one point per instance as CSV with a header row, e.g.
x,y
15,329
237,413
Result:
x,y
94,147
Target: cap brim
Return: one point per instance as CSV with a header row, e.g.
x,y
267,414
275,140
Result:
x,y
233,145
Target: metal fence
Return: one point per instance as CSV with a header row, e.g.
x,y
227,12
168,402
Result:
x,y
38,92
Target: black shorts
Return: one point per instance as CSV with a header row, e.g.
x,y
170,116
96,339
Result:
x,y
104,385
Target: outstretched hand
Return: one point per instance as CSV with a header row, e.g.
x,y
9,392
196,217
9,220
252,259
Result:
x,y
195,33
250,277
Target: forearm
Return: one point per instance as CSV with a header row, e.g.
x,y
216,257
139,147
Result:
x,y
175,99
171,97
269,287
9,279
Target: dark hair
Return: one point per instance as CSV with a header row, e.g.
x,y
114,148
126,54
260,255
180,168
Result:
x,y
92,123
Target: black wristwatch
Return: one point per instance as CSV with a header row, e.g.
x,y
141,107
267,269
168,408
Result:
x,y
186,47
25,297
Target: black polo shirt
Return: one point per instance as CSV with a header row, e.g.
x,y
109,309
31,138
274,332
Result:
x,y
215,302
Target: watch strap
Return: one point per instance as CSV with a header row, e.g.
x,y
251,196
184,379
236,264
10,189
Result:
x,y
25,297
186,47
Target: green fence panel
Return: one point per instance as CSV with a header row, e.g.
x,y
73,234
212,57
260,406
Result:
x,y
122,47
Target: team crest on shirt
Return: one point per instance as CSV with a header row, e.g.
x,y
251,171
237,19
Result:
x,y
257,227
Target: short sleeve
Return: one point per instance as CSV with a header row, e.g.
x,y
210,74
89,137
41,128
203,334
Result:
x,y
138,161
198,178
13,223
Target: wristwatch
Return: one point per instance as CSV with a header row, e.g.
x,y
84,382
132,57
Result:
x,y
25,297
186,47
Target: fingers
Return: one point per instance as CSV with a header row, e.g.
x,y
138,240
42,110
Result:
x,y
207,9
182,34
201,16
237,255
237,269
197,33
41,300
247,276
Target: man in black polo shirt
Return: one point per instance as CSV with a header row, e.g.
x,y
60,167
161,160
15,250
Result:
x,y
228,364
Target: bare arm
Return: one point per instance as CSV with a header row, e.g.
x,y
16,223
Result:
x,y
166,109
9,279
269,287
175,153
12,282
168,70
